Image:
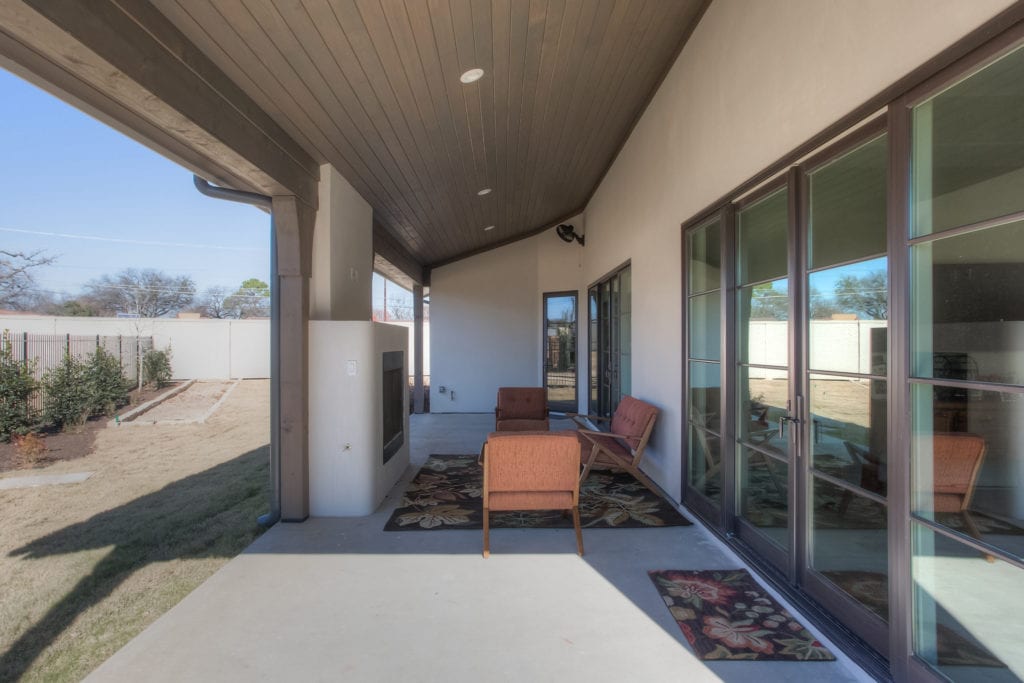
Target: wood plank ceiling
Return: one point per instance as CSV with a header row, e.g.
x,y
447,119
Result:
x,y
373,87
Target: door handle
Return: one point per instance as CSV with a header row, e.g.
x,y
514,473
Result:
x,y
783,419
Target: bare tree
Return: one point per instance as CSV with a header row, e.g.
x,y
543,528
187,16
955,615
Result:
x,y
214,303
399,310
17,286
147,293
868,295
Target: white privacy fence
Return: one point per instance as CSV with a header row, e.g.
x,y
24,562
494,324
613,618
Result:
x,y
200,349
838,345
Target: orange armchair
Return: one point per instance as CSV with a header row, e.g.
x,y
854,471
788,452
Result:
x,y
531,471
957,459
623,446
957,462
521,409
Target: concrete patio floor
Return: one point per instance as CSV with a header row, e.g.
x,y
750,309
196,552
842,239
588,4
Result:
x,y
341,600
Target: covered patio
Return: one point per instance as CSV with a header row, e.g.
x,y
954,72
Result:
x,y
340,599
795,228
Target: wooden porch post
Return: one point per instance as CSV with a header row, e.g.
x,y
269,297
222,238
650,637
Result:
x,y
293,223
417,336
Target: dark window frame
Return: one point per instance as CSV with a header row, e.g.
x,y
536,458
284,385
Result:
x,y
544,340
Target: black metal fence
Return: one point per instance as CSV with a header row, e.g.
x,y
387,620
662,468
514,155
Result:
x,y
426,393
46,351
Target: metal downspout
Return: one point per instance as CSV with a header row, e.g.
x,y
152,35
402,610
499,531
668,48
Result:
x,y
267,203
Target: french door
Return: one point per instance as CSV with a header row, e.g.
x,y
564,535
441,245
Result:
x,y
787,298
853,375
610,341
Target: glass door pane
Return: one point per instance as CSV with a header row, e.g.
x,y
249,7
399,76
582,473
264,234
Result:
x,y
593,335
967,375
704,368
604,350
625,367
763,340
845,383
560,351
968,149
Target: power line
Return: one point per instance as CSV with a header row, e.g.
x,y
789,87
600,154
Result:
x,y
122,240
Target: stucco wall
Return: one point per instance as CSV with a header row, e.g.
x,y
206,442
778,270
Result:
x,y
485,319
342,269
755,81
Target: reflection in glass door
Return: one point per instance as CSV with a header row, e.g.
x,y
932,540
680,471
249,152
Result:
x,y
764,441
704,363
966,375
560,351
846,560
811,381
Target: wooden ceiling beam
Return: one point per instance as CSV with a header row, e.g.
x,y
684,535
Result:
x,y
387,247
135,68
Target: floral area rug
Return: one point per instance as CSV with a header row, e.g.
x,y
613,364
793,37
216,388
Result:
x,y
727,615
447,494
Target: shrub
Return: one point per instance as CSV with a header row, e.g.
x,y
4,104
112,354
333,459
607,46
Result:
x,y
156,367
30,446
65,393
16,388
106,384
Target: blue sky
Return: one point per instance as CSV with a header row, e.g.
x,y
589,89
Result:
x,y
100,202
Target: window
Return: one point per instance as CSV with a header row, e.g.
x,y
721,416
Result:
x,y
704,355
560,351
966,246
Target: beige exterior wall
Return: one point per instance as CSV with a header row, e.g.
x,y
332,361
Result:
x,y
485,318
340,288
756,80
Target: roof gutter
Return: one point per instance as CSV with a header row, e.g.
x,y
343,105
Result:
x,y
266,203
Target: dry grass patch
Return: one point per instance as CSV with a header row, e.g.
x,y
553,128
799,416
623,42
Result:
x,y
85,568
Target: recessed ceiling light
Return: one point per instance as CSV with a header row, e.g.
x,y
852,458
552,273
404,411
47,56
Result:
x,y
484,191
489,227
472,75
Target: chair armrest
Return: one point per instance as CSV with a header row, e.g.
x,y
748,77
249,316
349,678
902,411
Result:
x,y
600,433
579,419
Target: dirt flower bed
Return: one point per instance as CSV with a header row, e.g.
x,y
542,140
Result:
x,y
72,443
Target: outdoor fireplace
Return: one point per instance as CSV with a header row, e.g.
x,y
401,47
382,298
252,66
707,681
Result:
x,y
358,415
393,412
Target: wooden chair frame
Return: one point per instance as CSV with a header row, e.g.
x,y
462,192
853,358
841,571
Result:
x,y
575,509
599,454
